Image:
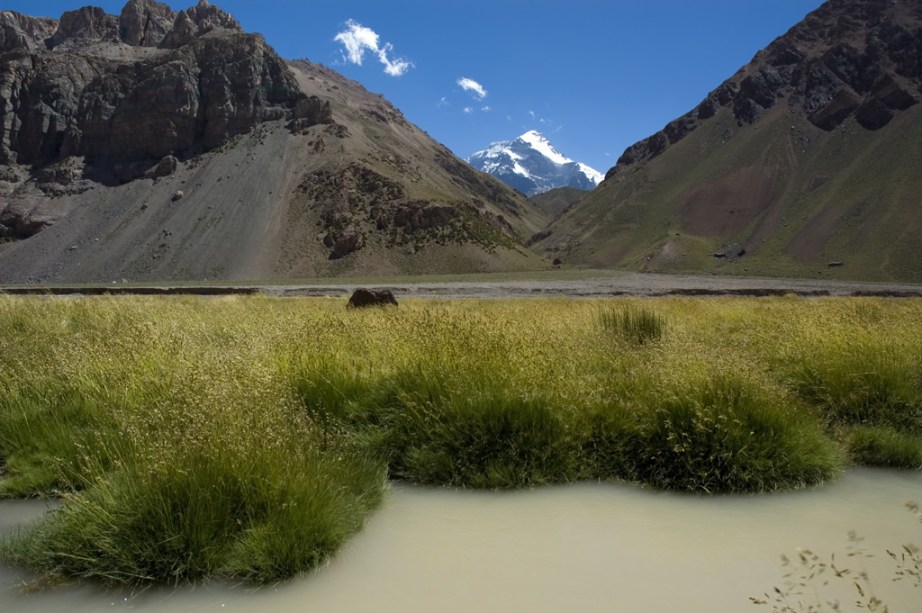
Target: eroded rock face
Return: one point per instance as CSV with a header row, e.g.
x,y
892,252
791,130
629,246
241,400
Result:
x,y
23,33
198,21
125,92
849,58
356,207
145,23
88,24
195,94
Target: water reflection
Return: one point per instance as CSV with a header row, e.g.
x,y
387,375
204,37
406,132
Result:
x,y
582,548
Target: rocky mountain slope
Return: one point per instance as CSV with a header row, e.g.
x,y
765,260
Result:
x,y
805,162
158,145
531,165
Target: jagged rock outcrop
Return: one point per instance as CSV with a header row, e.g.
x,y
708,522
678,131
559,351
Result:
x,y
21,32
196,92
198,21
145,23
85,25
849,58
124,92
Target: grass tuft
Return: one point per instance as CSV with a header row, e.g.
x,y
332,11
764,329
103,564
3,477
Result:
x,y
883,446
481,438
724,434
638,325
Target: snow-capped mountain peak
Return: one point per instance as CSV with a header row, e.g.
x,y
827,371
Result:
x,y
539,143
532,165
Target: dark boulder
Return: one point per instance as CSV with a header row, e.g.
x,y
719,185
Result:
x,y
362,298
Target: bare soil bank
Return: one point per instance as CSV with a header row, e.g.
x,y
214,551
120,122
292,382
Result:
x,y
628,284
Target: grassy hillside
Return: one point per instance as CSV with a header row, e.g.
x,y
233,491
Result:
x,y
790,197
556,201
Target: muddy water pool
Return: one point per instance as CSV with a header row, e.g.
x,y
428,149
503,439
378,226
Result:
x,y
579,548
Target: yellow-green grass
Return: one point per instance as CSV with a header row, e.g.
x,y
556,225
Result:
x,y
249,437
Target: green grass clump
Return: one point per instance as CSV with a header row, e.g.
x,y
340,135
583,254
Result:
x,y
883,446
859,387
199,515
47,427
482,437
724,434
870,390
634,324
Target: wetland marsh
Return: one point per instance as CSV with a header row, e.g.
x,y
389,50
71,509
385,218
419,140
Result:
x,y
250,438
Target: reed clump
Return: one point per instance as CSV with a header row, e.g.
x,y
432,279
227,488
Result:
x,y
720,434
634,324
250,437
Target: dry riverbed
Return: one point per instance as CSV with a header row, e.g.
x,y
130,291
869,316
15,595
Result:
x,y
606,284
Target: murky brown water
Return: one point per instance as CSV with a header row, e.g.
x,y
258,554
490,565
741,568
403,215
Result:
x,y
583,548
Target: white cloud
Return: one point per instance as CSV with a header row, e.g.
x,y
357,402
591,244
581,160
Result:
x,y
357,39
486,109
468,109
541,120
470,85
443,102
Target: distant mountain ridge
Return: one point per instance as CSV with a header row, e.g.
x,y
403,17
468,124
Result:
x,y
532,165
803,163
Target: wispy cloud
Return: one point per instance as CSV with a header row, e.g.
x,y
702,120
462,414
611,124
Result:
x,y
470,85
468,110
357,39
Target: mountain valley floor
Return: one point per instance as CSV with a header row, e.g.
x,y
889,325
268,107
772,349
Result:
x,y
562,283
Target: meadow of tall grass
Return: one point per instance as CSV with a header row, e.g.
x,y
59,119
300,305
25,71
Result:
x,y
249,437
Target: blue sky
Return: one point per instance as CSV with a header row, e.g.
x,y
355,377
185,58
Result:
x,y
594,76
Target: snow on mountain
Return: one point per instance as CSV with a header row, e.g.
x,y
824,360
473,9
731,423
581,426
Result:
x,y
532,165
596,176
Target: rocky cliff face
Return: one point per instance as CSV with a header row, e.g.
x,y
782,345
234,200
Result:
x,y
849,58
121,93
24,33
146,23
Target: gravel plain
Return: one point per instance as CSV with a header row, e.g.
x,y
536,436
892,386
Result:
x,y
604,285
